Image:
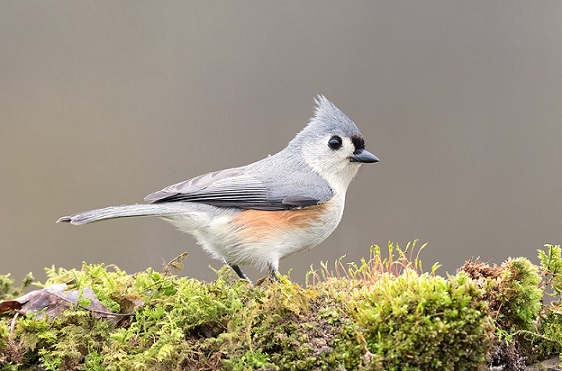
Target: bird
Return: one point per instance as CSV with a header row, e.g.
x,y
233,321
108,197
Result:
x,y
260,213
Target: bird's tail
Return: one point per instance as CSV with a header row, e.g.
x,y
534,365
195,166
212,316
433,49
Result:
x,y
123,211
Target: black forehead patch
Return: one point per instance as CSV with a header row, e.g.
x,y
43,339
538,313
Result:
x,y
358,142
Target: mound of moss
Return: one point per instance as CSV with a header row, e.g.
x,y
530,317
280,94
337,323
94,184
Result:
x,y
383,314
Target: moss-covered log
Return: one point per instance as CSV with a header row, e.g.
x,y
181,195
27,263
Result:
x,y
383,314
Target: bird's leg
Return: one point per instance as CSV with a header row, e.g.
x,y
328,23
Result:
x,y
274,272
239,272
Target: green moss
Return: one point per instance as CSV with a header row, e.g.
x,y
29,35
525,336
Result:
x,y
7,289
424,322
512,292
551,268
519,295
382,314
547,339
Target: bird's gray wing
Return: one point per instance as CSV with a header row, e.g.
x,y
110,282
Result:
x,y
235,188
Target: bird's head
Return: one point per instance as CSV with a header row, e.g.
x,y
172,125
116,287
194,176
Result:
x,y
332,145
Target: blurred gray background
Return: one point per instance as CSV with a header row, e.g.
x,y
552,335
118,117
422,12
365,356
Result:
x,y
102,103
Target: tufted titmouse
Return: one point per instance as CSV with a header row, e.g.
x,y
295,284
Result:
x,y
260,213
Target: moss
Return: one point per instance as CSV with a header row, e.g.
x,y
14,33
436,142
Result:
x,y
520,294
381,314
423,322
7,289
547,339
512,292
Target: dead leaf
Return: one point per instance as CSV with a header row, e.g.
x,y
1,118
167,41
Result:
x,y
176,264
55,299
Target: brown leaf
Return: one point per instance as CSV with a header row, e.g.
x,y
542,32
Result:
x,y
55,299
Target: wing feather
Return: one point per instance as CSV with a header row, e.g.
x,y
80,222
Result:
x,y
229,188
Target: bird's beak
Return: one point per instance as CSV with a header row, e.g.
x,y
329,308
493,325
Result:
x,y
364,156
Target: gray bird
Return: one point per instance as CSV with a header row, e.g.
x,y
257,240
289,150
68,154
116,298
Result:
x,y
265,211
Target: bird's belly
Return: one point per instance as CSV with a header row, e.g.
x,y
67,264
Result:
x,y
259,237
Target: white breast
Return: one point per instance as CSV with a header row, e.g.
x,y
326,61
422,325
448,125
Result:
x,y
230,236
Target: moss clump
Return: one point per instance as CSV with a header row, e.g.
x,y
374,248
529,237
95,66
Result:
x,y
512,291
547,339
423,322
520,295
551,269
294,328
411,320
7,289
383,314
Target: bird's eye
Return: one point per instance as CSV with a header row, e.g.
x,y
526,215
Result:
x,y
335,142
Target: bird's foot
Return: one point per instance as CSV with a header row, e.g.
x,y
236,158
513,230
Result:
x,y
239,272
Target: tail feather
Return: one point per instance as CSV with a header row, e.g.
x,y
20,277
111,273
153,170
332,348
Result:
x,y
123,211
